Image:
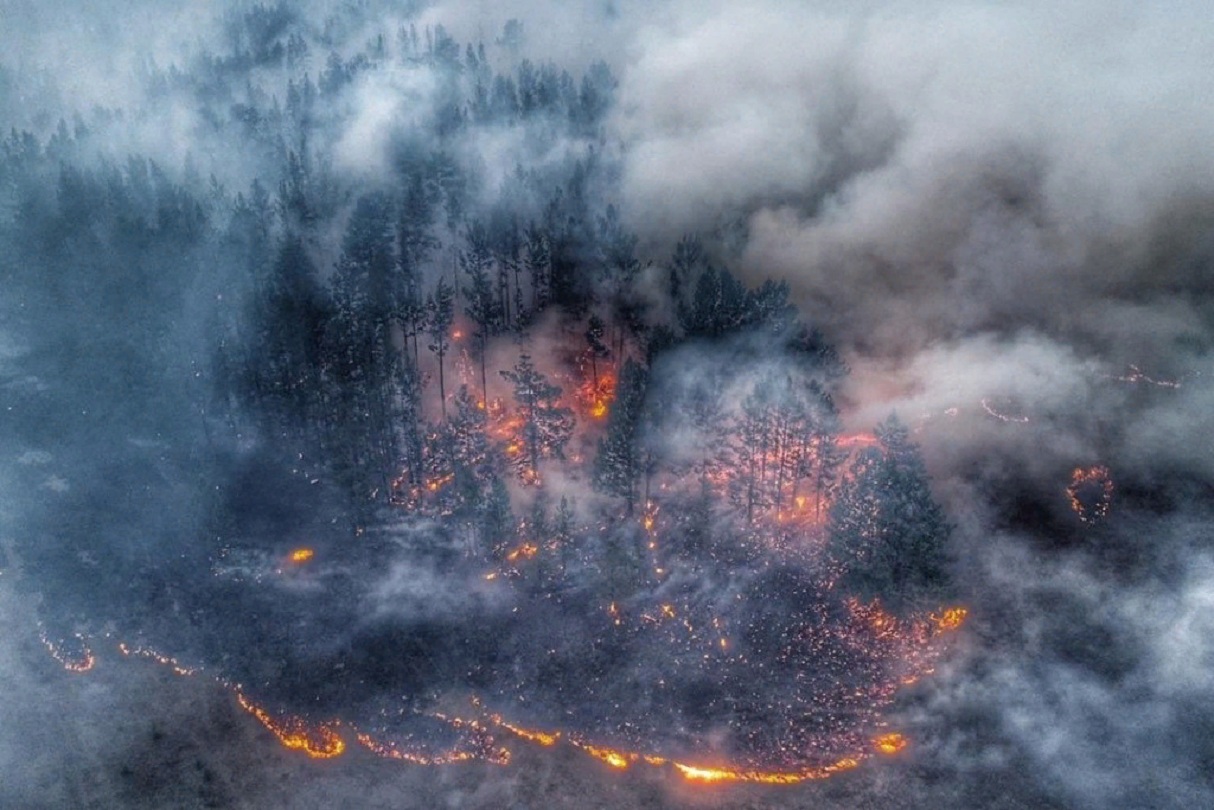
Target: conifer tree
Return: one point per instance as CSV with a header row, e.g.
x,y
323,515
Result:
x,y
547,425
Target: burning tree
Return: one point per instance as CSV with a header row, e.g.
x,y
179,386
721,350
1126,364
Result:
x,y
546,425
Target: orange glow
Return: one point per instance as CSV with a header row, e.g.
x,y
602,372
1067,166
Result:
x,y
391,751
524,552
543,738
164,660
302,555
79,661
693,773
951,619
890,743
594,400
616,759
319,742
1091,492
857,440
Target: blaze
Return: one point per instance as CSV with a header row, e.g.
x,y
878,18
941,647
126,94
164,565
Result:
x,y
302,555
524,552
1091,492
951,618
891,743
79,661
319,742
616,759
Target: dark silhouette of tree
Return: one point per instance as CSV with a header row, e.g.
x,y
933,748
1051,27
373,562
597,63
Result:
x,y
482,307
595,330
547,425
888,534
620,462
440,314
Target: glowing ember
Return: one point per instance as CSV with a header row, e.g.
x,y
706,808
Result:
x,y
394,752
716,775
594,399
319,742
1000,415
540,737
890,743
164,660
951,619
1091,492
74,657
524,552
616,759
1136,376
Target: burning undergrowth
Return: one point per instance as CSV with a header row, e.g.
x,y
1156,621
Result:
x,y
400,411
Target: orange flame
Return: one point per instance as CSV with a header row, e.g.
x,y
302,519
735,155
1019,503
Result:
x,y
951,619
891,743
320,742
81,662
302,555
1091,492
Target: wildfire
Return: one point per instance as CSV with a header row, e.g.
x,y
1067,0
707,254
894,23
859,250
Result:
x,y
524,552
1136,375
891,743
80,660
394,752
301,555
850,441
616,759
1091,492
950,619
319,742
594,400
1002,417
164,660
694,773
543,738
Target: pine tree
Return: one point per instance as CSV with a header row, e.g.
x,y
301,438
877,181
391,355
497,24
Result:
x,y
483,307
440,315
598,350
619,461
496,519
888,534
547,425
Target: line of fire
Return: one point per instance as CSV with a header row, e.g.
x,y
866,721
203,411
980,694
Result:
x,y
843,602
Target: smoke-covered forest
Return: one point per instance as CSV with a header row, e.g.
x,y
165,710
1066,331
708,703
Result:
x,y
599,405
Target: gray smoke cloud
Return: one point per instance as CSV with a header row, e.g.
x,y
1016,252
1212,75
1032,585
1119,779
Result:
x,y
1003,215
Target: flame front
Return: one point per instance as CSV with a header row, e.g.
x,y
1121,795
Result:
x,y
318,742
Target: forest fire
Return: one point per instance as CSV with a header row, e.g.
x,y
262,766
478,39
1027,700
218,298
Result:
x,y
951,618
1091,492
318,742
524,552
891,743
301,555
395,752
78,659
594,396
164,660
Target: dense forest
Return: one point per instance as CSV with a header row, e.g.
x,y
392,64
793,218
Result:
x,y
419,417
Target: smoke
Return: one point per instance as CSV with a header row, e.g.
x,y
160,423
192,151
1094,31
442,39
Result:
x,y
1001,214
